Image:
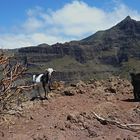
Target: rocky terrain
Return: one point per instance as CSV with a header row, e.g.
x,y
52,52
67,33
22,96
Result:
x,y
95,109
100,110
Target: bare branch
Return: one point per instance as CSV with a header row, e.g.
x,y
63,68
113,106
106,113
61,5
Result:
x,y
118,124
10,93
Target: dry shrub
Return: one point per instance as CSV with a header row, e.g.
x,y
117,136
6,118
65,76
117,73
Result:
x,y
11,93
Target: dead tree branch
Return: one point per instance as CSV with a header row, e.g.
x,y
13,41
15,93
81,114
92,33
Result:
x,y
10,92
117,123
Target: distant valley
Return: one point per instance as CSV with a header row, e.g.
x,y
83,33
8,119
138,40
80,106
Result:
x,y
115,51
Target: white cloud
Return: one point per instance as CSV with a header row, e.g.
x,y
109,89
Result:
x,y
75,20
32,24
10,41
15,41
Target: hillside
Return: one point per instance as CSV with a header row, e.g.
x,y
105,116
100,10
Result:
x,y
115,51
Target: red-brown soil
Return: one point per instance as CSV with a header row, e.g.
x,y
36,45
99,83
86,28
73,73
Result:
x,y
69,114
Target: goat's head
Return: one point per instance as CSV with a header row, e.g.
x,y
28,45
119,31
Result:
x,y
50,70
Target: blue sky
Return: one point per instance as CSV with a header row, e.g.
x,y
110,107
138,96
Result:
x,y
31,22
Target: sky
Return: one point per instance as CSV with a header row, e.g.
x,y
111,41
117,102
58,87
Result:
x,y
33,22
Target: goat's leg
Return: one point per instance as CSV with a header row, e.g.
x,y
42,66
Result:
x,y
44,87
49,84
38,90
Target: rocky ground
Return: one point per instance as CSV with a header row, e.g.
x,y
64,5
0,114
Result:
x,y
99,110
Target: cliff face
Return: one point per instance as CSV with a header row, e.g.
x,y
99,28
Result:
x,y
48,53
111,50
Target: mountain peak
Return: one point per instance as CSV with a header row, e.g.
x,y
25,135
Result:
x,y
128,18
128,24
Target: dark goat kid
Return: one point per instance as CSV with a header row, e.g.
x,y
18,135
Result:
x,y
135,80
44,79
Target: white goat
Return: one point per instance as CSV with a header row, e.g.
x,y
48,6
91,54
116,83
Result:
x,y
44,79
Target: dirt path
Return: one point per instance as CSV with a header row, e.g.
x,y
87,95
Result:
x,y
69,116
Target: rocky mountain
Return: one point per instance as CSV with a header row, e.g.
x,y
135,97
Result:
x,y
124,39
113,51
